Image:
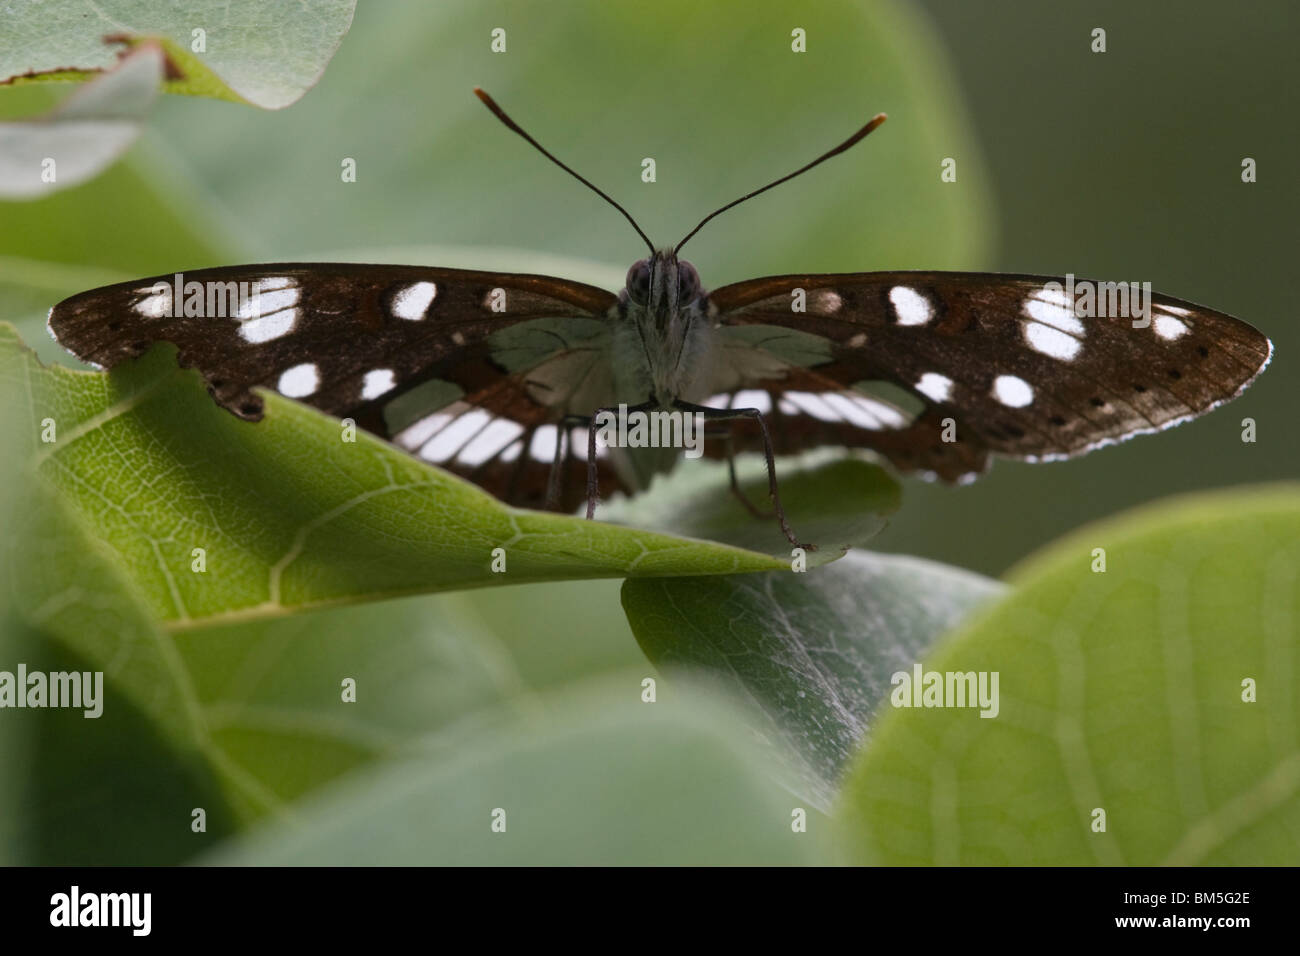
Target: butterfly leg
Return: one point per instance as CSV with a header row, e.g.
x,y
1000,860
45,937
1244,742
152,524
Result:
x,y
561,452
731,414
729,437
593,479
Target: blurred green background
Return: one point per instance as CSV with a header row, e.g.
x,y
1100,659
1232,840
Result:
x,y
1122,165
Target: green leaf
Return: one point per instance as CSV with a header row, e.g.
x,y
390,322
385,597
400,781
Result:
x,y
105,782
114,789
287,514
1120,691
812,653
272,693
63,582
265,54
590,638
595,778
836,505
237,721
86,133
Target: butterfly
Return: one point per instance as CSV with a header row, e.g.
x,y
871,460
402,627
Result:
x,y
503,378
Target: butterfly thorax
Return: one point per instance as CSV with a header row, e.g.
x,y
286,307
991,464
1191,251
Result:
x,y
662,338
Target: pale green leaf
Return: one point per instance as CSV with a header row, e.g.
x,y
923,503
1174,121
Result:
x,y
288,513
267,54
812,653
1123,692
597,778
86,133
832,502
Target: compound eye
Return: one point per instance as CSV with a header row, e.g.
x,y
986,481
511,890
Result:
x,y
688,282
638,282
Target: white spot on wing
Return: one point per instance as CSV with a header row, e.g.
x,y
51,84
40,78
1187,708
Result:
x,y
859,411
910,306
936,387
1054,296
299,381
827,302
378,382
890,416
542,447
155,305
419,432
578,439
753,398
858,341
850,408
1174,310
412,302
268,327
490,441
1169,328
1058,316
1012,391
813,405
267,303
445,444
1050,341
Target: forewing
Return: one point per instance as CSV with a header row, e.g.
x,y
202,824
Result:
x,y
347,339
1006,357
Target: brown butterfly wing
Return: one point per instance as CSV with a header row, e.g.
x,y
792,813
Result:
x,y
1018,371
504,442
373,334
345,320
805,410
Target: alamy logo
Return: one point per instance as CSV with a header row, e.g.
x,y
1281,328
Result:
x,y
657,429
946,689
212,299
75,908
1103,300
76,689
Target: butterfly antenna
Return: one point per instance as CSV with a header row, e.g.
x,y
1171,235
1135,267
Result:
x,y
848,143
511,124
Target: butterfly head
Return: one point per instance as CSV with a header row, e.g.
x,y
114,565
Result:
x,y
663,285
